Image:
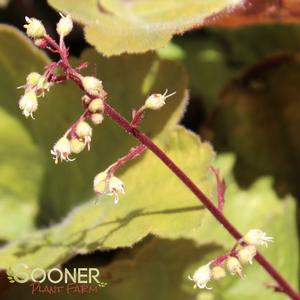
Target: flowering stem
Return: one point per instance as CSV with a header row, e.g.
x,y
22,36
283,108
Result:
x,y
145,140
131,128
133,153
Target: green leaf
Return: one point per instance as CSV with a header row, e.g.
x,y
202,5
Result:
x,y
21,174
21,162
118,26
259,119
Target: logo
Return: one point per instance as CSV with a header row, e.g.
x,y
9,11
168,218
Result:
x,y
56,280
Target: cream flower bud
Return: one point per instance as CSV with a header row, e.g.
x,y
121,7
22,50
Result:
x,y
257,237
62,150
84,130
108,186
157,101
234,267
35,28
33,78
77,145
92,85
28,104
218,273
97,118
246,254
201,277
96,105
64,26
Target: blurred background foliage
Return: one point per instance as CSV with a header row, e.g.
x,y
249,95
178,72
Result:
x,y
242,71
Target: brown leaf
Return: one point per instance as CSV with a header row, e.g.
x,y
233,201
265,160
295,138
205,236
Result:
x,y
260,12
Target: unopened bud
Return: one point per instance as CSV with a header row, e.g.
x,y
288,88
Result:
x,y
246,254
97,119
92,85
218,272
77,145
65,25
33,78
34,28
83,129
96,105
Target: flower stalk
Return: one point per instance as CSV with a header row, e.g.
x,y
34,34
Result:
x,y
93,89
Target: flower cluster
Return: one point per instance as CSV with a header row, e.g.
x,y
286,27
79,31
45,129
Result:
x,y
234,261
37,84
79,135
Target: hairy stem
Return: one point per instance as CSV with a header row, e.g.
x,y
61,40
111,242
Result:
x,y
133,153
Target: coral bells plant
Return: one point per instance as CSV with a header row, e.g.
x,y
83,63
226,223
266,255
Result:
x,y
79,137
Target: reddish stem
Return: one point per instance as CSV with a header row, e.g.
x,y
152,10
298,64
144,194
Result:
x,y
286,288
221,188
147,142
133,153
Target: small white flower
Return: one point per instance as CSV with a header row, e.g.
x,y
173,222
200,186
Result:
x,y
84,131
108,186
234,267
28,104
62,150
201,277
246,254
92,85
34,28
218,272
157,101
257,237
64,26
